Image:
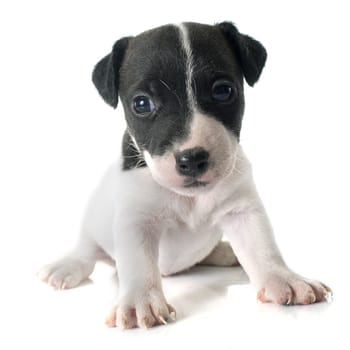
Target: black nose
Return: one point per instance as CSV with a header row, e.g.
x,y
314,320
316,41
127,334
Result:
x,y
192,162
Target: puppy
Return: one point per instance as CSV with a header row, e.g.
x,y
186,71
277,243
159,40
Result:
x,y
183,180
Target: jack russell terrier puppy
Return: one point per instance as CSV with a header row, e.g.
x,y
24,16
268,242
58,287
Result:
x,y
183,180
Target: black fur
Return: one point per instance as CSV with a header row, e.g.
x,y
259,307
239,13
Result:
x,y
214,60
154,64
250,53
106,73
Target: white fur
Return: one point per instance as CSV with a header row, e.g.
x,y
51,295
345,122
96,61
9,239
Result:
x,y
205,132
187,227
147,222
149,229
185,40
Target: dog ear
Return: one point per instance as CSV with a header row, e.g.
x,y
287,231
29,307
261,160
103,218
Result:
x,y
105,75
251,54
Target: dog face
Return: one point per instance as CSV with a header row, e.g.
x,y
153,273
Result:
x,y
182,92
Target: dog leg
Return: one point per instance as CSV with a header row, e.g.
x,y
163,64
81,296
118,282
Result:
x,y
221,255
251,236
72,269
141,301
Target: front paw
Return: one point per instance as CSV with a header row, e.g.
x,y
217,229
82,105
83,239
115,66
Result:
x,y
286,287
144,310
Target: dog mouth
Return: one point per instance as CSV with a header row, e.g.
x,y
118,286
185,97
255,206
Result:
x,y
193,183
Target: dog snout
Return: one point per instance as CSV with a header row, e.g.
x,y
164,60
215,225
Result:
x,y
192,162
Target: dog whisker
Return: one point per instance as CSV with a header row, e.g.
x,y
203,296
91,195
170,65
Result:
x,y
172,91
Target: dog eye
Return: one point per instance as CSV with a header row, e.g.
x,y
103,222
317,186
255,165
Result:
x,y
222,91
143,105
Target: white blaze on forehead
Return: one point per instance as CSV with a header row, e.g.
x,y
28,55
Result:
x,y
186,45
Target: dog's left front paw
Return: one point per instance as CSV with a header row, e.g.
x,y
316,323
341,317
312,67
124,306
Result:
x,y
287,288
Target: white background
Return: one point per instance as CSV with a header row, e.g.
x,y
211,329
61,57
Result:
x,y
57,136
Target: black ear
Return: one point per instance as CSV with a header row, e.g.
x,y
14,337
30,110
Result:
x,y
250,53
106,73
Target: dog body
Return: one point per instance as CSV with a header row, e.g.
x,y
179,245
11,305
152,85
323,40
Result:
x,y
183,180
189,228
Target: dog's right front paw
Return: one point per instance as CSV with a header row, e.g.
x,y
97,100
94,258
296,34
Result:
x,y
146,311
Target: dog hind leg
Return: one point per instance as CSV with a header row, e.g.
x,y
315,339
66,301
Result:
x,y
73,268
221,255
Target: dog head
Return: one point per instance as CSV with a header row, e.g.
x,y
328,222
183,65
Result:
x,y
182,92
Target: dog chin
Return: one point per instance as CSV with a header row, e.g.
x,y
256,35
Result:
x,y
188,187
194,190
